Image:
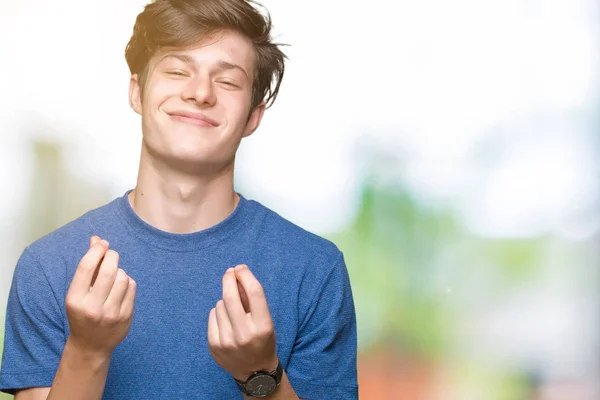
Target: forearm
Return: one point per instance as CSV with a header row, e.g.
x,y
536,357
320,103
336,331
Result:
x,y
284,391
81,375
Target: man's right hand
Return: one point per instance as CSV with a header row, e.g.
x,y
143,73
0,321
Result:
x,y
99,307
99,310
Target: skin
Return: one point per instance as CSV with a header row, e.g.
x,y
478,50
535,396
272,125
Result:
x,y
185,184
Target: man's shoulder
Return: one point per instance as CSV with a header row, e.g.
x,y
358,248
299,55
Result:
x,y
288,235
72,233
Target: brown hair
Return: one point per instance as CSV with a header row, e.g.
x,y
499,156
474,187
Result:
x,y
181,23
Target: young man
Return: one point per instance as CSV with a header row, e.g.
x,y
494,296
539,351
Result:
x,y
230,299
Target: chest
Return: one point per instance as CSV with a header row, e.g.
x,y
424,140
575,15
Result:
x,y
166,350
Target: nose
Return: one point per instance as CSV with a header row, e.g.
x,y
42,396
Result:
x,y
200,91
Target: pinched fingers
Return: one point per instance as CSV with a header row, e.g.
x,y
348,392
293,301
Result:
x,y
106,277
233,302
100,318
241,337
85,270
259,309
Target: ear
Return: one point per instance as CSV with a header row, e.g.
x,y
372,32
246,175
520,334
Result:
x,y
254,120
135,100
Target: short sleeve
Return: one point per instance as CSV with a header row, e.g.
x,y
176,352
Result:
x,y
323,361
34,332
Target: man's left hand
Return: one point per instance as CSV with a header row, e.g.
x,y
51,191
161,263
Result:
x,y
241,336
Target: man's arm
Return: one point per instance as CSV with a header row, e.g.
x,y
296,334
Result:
x,y
40,393
99,306
79,376
323,360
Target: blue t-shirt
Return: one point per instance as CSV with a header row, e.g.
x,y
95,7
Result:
x,y
179,279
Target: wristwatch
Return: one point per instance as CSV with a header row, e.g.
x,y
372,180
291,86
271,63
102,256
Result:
x,y
261,383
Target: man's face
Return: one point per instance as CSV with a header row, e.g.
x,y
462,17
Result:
x,y
196,102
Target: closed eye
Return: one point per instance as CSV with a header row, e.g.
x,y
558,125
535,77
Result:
x,y
176,73
229,84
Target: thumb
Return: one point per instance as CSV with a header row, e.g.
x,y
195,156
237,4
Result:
x,y
93,240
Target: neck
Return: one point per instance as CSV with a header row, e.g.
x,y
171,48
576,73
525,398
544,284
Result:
x,y
178,202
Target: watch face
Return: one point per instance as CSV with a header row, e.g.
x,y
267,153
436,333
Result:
x,y
261,385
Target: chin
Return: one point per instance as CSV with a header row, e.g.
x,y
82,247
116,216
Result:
x,y
191,155
197,161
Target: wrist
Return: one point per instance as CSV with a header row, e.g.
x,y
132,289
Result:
x,y
85,356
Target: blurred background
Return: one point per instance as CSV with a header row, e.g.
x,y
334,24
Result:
x,y
450,149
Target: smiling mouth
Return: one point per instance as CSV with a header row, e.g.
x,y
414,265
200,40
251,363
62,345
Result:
x,y
192,120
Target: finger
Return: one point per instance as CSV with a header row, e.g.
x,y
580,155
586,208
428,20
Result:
x,y
82,279
259,310
118,291
213,329
243,296
94,239
233,303
129,299
106,276
225,330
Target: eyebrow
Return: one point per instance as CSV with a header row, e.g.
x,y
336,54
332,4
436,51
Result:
x,y
182,57
226,65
